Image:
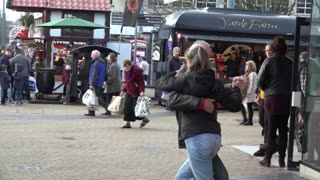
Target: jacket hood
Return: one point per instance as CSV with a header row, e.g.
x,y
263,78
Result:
x,y
20,67
204,78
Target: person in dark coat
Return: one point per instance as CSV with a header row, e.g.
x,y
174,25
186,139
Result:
x,y
201,125
5,81
133,87
96,78
84,71
174,63
113,81
18,82
20,58
5,59
275,78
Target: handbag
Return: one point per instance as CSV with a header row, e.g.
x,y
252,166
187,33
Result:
x,y
142,108
89,98
116,105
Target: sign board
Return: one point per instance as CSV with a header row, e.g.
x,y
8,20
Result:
x,y
149,20
168,1
116,18
143,19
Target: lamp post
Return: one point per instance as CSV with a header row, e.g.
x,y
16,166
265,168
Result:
x,y
4,23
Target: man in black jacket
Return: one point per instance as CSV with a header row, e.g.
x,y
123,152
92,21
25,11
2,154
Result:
x,y
5,59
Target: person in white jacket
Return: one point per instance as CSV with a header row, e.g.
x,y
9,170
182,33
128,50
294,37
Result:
x,y
250,96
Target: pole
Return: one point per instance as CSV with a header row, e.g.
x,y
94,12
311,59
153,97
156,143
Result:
x,y
151,62
135,43
4,23
290,163
120,39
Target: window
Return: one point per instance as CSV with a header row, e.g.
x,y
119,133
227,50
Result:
x,y
304,7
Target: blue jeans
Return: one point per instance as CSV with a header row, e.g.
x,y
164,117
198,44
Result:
x,y
201,149
18,95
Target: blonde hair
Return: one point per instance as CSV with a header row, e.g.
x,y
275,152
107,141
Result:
x,y
198,58
252,65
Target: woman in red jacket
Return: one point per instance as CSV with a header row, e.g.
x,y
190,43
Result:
x,y
133,87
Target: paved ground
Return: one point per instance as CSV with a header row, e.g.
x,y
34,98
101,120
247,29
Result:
x,y
56,142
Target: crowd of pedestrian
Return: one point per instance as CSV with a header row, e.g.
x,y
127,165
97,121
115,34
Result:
x,y
194,94
15,71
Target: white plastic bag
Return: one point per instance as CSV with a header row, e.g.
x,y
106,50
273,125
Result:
x,y
116,105
142,108
89,98
33,85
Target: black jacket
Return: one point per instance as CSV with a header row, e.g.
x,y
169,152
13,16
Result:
x,y
275,76
4,59
202,85
174,64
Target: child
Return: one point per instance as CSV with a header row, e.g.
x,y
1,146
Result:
x,y
18,83
4,82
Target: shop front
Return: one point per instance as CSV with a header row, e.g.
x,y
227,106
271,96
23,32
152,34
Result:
x,y
310,164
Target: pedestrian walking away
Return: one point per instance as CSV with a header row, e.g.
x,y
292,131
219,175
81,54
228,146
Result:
x,y
113,82
20,58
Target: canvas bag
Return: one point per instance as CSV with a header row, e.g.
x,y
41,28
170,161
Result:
x,y
116,105
89,98
142,108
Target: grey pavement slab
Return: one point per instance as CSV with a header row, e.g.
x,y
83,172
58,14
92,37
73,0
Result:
x,y
56,142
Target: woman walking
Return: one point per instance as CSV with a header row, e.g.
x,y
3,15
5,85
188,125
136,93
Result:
x,y
250,96
134,86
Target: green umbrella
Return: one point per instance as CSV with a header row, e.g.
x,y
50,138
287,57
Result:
x,y
72,23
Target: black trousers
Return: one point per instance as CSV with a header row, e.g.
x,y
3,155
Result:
x,y
130,102
250,112
280,123
26,87
261,113
4,95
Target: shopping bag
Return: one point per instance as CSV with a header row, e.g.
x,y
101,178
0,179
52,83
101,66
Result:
x,y
165,95
95,106
89,98
33,85
142,108
116,105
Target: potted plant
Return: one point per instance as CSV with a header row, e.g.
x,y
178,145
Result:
x,y
27,22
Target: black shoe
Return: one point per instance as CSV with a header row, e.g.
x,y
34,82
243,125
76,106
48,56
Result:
x,y
144,122
248,123
89,114
127,125
265,162
243,122
259,153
